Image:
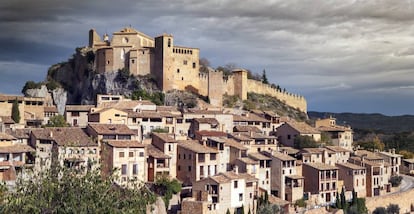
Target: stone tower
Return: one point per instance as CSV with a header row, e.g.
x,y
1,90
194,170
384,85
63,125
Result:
x,y
215,87
240,83
163,69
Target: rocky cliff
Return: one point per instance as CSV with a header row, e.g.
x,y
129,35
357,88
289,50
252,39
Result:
x,y
78,82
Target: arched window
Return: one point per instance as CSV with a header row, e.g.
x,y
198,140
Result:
x,y
169,42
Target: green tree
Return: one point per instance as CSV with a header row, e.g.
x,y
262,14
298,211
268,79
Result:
x,y
264,77
267,208
166,187
338,203
70,192
30,85
396,180
15,111
380,210
57,121
304,142
393,209
344,203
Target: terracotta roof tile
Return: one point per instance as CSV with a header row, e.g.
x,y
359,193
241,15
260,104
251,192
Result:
x,y
155,152
5,136
167,138
212,121
102,129
302,127
83,108
321,166
65,136
350,166
6,120
195,146
16,149
125,143
50,109
259,156
206,133
247,129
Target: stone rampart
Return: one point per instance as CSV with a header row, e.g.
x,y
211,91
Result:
x,y
290,99
404,201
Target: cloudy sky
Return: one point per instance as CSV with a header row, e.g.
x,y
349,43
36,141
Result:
x,y
343,56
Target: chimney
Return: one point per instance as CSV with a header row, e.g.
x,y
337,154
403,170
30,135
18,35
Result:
x,y
236,169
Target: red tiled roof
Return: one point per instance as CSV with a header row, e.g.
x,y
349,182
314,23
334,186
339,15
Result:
x,y
102,129
125,143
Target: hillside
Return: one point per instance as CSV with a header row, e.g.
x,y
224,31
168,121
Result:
x,y
373,122
264,103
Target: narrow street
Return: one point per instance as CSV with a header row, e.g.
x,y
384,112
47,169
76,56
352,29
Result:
x,y
406,184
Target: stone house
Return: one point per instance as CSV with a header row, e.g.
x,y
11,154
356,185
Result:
x,y
321,181
195,161
110,132
225,191
287,181
77,115
255,142
14,157
318,155
65,146
158,163
168,145
263,171
250,119
289,130
378,172
354,178
340,135
127,159
108,116
393,159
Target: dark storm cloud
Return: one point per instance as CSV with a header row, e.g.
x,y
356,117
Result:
x,y
330,51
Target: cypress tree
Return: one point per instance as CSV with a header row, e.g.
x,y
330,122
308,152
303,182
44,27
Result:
x,y
15,111
264,77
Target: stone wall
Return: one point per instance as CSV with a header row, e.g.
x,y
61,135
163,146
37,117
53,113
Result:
x,y
290,99
404,201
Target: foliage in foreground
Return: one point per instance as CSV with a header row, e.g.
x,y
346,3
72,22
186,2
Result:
x,y
167,187
74,193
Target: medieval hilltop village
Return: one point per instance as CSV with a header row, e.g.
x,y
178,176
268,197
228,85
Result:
x,y
226,160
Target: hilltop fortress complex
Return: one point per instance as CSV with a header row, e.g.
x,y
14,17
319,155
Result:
x,y
176,67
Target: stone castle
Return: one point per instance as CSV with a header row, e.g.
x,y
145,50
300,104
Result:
x,y
176,67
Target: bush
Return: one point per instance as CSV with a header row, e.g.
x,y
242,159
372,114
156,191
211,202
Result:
x,y
396,181
31,85
305,142
300,203
166,187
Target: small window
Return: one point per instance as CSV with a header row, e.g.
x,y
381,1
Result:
x,y
169,42
182,78
194,65
135,169
141,154
121,154
131,154
133,61
185,62
178,70
236,184
241,197
124,169
189,168
179,168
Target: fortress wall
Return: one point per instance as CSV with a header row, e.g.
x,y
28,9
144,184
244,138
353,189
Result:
x,y
404,201
290,99
229,86
203,84
215,88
